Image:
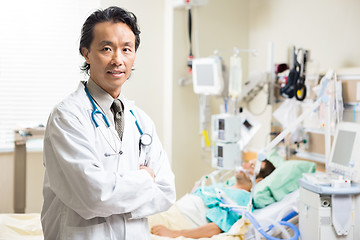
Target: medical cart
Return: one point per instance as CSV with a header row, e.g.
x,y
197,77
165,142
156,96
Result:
x,y
329,211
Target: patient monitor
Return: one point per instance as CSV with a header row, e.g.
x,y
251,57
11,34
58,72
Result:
x,y
345,153
208,76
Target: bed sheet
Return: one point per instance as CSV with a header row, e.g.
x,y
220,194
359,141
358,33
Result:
x,y
273,210
20,227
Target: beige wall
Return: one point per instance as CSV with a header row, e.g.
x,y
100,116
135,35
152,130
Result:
x,y
330,29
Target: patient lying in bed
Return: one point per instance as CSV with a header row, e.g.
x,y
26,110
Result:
x,y
211,219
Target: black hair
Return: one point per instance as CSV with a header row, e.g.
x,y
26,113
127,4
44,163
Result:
x,y
110,14
266,170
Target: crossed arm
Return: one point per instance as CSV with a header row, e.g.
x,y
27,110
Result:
x,y
205,231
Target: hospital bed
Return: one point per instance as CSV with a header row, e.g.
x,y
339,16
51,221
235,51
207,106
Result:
x,y
274,197
248,232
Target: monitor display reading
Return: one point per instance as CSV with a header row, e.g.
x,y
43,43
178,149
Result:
x,y
221,124
205,75
343,147
220,151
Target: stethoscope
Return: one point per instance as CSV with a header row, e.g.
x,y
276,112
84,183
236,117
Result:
x,y
145,138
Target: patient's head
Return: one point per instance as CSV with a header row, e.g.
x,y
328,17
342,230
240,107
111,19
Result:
x,y
243,180
265,169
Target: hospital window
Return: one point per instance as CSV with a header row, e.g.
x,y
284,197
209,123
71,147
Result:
x,y
39,60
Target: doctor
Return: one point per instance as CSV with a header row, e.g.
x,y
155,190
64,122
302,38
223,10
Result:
x,y
102,182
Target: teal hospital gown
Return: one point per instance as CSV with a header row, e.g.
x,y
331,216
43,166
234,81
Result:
x,y
224,218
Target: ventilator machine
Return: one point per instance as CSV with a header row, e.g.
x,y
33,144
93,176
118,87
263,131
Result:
x,y
329,205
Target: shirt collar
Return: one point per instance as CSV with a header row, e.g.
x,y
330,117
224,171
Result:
x,y
100,96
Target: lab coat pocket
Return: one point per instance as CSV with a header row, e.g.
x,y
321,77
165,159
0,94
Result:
x,y
93,232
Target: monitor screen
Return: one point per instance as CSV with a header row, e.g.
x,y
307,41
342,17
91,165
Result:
x,y
221,124
344,158
220,151
343,147
205,75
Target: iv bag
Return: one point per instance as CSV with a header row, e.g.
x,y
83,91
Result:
x,y
235,80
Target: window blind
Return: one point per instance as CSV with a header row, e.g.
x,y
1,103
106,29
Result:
x,y
39,60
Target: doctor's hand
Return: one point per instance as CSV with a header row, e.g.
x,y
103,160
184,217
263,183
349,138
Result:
x,y
149,170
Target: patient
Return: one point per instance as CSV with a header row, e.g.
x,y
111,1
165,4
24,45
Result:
x,y
219,219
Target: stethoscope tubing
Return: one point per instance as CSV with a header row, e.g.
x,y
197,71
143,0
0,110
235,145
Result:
x,y
97,111
137,124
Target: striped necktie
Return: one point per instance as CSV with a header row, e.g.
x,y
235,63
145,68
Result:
x,y
117,109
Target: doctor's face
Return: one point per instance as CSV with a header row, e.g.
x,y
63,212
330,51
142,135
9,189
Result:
x,y
111,55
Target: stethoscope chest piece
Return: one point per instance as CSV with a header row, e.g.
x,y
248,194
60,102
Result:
x,y
145,139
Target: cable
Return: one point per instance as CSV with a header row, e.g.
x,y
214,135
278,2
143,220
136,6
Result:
x,y
286,218
190,58
257,113
226,202
226,105
189,28
266,235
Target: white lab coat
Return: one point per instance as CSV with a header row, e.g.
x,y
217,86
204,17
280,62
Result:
x,y
88,196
